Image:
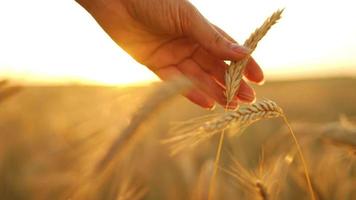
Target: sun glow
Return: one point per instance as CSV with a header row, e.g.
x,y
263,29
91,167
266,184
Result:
x,y
58,42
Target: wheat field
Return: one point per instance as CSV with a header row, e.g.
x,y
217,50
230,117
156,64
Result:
x,y
57,143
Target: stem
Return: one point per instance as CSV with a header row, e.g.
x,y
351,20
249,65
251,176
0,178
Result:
x,y
304,163
216,163
216,166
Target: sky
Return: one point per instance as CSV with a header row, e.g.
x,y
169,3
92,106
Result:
x,y
52,41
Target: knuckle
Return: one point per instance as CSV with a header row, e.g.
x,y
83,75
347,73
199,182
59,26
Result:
x,y
186,15
217,38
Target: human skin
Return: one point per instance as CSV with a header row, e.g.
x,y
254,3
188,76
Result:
x,y
173,39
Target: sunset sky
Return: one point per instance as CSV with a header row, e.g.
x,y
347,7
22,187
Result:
x,y
57,41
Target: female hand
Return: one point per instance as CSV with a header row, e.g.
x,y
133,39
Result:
x,y
172,39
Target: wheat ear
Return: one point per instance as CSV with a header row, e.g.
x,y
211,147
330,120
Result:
x,y
233,75
263,182
195,131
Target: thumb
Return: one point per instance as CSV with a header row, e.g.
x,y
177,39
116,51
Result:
x,y
201,30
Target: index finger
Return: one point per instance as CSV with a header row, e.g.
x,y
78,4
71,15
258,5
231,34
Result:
x,y
253,71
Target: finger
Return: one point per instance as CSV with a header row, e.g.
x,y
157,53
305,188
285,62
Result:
x,y
202,80
253,72
246,93
197,27
217,68
223,33
198,97
211,65
194,95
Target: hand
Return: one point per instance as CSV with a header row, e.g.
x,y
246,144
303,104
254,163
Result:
x,y
172,38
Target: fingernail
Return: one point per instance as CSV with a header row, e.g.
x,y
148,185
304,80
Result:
x,y
247,97
240,49
212,107
262,82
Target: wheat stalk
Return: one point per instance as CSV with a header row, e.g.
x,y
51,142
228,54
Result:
x,y
155,101
233,75
200,190
301,156
261,183
130,191
195,131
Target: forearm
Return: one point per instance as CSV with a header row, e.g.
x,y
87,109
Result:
x,y
92,6
97,5
111,16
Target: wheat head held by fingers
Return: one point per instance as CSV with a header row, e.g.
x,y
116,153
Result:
x,y
234,73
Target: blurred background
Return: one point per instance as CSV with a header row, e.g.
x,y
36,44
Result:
x,y
67,90
58,41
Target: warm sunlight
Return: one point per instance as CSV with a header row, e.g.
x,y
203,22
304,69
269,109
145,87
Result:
x,y
57,41
81,119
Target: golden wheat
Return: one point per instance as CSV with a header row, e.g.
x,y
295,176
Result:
x,y
234,73
131,191
233,77
262,183
347,147
200,190
160,95
195,131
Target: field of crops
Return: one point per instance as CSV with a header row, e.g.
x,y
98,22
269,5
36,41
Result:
x,y
56,142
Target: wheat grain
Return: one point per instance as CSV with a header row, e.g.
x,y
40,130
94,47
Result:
x,y
252,41
233,75
195,131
